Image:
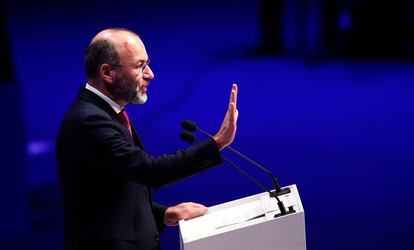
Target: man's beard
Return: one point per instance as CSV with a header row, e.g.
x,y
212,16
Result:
x,y
126,89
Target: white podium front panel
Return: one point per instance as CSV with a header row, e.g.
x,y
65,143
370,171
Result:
x,y
247,224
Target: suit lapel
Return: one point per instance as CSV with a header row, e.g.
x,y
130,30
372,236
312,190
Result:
x,y
91,97
137,139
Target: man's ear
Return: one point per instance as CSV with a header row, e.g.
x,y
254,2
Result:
x,y
107,73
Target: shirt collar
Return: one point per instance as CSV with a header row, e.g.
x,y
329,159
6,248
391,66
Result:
x,y
115,106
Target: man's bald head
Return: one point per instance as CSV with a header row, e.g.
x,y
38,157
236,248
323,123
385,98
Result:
x,y
104,48
112,34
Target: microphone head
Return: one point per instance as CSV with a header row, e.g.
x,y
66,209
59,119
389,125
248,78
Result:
x,y
189,125
188,137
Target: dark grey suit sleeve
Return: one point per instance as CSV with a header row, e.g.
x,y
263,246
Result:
x,y
118,156
159,212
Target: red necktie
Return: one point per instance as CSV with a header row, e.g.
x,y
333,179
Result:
x,y
124,116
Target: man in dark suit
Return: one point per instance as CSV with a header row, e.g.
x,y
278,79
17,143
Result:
x,y
106,175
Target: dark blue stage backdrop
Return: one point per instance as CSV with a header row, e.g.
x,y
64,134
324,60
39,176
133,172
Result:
x,y
339,128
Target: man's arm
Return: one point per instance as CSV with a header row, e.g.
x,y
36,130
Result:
x,y
114,154
159,215
224,137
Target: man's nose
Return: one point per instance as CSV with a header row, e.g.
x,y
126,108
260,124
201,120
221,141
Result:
x,y
148,74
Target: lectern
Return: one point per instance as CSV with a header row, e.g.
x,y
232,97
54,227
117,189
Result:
x,y
250,223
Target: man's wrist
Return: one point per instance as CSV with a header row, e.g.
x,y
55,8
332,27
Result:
x,y
219,142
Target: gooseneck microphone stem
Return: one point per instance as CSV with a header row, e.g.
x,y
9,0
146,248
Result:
x,y
191,126
279,202
250,178
191,138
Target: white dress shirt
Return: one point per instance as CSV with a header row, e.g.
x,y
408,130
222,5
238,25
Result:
x,y
117,108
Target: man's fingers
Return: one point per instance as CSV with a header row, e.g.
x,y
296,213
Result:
x,y
197,211
228,128
196,205
233,95
233,103
191,210
186,210
233,113
234,91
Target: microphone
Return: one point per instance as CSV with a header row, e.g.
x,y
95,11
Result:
x,y
192,127
188,137
191,138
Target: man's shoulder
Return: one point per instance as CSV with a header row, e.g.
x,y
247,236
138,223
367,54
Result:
x,y
88,104
82,110
82,117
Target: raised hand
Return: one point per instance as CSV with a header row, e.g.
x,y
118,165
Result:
x,y
227,132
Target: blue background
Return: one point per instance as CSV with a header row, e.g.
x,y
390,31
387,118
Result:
x,y
336,121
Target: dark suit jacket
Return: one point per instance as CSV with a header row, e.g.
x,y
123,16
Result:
x,y
107,178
